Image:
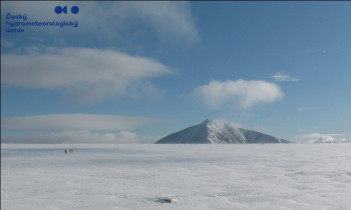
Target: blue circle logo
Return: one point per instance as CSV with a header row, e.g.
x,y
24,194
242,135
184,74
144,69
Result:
x,y
75,9
59,10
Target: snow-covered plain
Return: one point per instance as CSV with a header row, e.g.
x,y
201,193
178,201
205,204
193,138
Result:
x,y
269,176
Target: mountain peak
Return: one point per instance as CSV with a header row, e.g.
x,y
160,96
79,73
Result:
x,y
218,132
206,121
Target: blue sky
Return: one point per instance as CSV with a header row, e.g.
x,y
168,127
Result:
x,y
133,72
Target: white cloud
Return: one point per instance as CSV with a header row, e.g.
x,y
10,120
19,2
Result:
x,y
81,137
83,73
320,137
245,93
170,20
69,122
76,128
280,77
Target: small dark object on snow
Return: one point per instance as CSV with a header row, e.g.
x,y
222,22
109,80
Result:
x,y
65,151
169,200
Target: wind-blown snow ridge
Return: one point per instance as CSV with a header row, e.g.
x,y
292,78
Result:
x,y
218,132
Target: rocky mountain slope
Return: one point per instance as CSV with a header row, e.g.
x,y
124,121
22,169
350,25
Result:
x,y
218,132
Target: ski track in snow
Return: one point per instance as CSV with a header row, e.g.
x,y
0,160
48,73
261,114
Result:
x,y
270,176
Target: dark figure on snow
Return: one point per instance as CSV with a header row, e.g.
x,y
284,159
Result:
x,y
65,151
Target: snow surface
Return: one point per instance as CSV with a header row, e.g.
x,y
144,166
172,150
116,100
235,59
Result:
x,y
206,176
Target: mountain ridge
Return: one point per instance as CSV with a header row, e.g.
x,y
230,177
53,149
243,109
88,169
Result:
x,y
218,132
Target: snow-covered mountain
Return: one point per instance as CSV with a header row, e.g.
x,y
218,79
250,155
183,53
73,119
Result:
x,y
218,132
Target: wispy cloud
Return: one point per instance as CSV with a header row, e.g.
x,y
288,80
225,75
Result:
x,y
321,137
74,137
280,77
242,92
85,74
75,128
234,124
59,122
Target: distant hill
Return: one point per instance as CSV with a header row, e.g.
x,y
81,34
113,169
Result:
x,y
218,132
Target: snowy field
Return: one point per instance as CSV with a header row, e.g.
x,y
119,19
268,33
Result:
x,y
285,176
